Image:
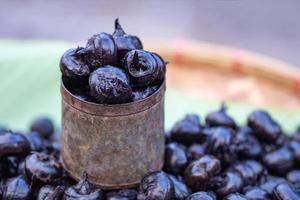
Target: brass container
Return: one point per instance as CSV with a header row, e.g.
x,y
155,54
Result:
x,y
115,144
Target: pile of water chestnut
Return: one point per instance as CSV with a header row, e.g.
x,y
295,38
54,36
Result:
x,y
112,69
211,160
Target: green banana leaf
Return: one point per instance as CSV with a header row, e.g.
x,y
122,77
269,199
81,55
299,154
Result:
x,y
30,79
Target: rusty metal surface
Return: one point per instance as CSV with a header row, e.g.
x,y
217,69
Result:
x,y
116,144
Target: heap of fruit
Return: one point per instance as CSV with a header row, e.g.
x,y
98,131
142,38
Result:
x,y
203,161
112,69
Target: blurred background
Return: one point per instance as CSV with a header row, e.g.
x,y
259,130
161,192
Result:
x,y
34,34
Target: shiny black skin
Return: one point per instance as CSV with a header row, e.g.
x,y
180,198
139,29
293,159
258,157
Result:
x,y
293,176
142,67
202,196
181,189
110,85
220,143
17,188
156,186
195,151
266,128
188,130
83,190
42,168
226,183
125,42
284,191
125,194
279,161
100,50
143,92
256,166
9,167
247,173
161,64
175,158
13,144
235,196
268,183
246,144
257,193
73,66
220,118
200,171
44,126
294,146
36,141
49,192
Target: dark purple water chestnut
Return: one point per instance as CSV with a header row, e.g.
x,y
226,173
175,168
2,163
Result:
x,y
202,196
124,41
9,166
161,64
279,161
73,66
49,192
83,190
100,50
43,126
220,143
257,193
200,171
195,151
17,188
285,191
220,118
235,196
295,148
266,128
268,183
36,141
142,67
125,194
188,130
226,183
293,176
110,85
42,168
156,186
247,173
143,92
256,166
181,189
13,144
175,158
246,145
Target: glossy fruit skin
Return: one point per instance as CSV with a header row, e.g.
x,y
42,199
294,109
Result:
x,y
235,196
100,50
142,67
284,191
195,152
125,194
43,168
264,126
125,42
220,143
73,66
200,171
246,172
49,192
181,189
188,130
17,188
175,158
268,183
156,186
202,196
36,141
293,176
257,193
83,190
246,145
279,161
110,85
294,146
13,144
220,118
226,183
44,126
143,92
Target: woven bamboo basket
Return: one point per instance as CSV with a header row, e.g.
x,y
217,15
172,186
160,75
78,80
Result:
x,y
230,74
